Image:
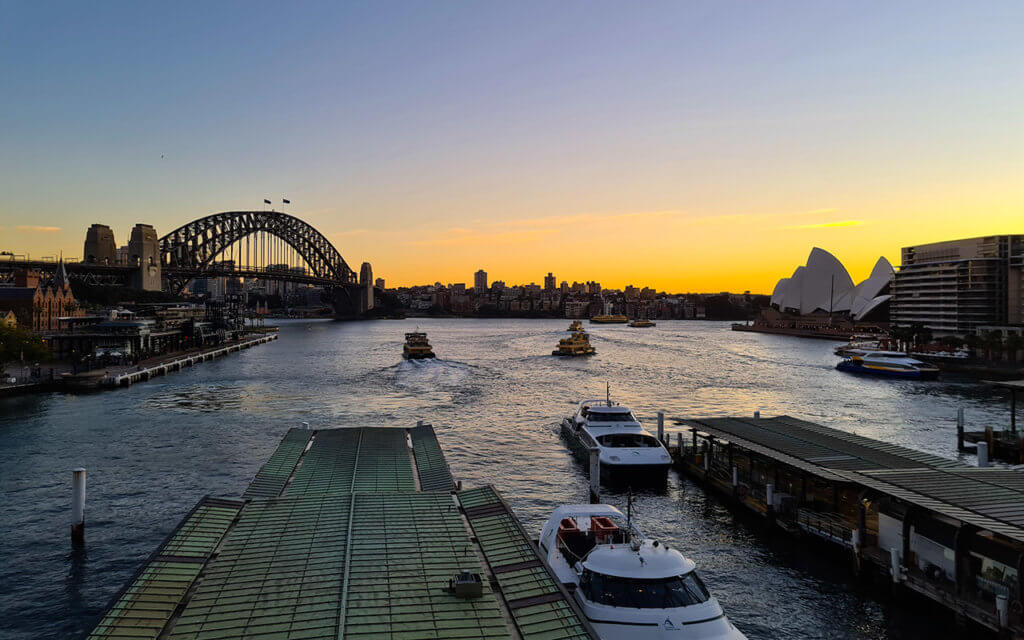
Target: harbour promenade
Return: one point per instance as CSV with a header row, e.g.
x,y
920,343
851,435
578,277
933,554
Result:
x,y
347,533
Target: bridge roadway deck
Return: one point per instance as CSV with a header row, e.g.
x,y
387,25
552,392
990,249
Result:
x,y
346,533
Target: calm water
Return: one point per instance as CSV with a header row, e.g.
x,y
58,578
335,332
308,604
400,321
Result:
x,y
154,449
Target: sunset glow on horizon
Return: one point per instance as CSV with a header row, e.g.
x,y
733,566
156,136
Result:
x,y
689,147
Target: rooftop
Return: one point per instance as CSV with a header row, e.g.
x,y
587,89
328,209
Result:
x,y
346,533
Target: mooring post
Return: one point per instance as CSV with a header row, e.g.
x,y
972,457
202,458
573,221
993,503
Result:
x,y
679,444
661,427
78,505
419,423
960,429
769,498
595,475
1003,609
735,476
982,454
305,425
894,565
757,415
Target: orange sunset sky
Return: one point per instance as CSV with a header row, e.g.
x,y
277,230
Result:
x,y
685,146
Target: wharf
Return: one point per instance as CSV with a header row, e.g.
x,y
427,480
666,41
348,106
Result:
x,y
131,376
937,527
347,533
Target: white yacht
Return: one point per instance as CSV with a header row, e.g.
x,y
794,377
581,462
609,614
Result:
x,y
627,450
629,587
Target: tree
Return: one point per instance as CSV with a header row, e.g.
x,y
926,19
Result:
x,y
17,344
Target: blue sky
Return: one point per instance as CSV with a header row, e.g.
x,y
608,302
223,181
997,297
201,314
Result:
x,y
432,120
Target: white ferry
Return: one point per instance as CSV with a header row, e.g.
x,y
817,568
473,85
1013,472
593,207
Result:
x,y
629,587
627,450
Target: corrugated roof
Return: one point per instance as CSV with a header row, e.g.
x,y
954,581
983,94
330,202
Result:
x,y
814,447
540,606
433,471
989,497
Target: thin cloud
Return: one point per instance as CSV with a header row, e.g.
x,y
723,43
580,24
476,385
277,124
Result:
x,y
839,224
578,218
37,229
465,237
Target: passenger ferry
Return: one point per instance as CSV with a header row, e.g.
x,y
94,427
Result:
x,y
628,586
575,325
416,346
578,344
892,364
642,323
627,450
610,319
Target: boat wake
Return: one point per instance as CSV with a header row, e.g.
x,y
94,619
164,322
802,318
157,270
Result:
x,y
433,373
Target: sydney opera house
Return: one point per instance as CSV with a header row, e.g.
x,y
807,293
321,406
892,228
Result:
x,y
823,287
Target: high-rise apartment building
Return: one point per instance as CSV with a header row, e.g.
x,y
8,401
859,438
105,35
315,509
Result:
x,y
956,286
480,282
549,282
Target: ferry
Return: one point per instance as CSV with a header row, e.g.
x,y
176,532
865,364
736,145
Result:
x,y
629,587
610,319
891,364
578,344
642,323
416,346
575,325
627,450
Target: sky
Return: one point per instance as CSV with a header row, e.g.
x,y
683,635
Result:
x,y
687,146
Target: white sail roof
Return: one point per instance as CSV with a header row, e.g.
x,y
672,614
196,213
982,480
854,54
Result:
x,y
823,284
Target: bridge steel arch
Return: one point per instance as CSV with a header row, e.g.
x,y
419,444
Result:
x,y
194,246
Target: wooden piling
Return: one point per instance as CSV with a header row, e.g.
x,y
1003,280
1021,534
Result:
x,y
595,475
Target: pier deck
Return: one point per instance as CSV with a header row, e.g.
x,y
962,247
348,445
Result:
x,y
346,533
950,532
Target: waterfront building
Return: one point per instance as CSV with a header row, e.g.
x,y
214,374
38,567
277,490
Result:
x,y
100,247
564,287
38,305
379,283
498,286
823,287
480,282
549,282
956,286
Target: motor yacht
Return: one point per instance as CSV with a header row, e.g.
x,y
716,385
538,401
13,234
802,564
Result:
x,y
891,364
629,587
627,450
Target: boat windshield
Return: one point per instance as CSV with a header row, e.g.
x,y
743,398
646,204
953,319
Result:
x,y
632,440
662,593
611,416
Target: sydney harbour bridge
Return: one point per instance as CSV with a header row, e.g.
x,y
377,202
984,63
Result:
x,y
268,245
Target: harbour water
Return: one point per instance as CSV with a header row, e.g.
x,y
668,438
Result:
x,y
495,397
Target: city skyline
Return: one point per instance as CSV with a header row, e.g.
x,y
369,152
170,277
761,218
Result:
x,y
689,147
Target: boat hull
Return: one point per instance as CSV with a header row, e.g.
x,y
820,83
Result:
x,y
418,356
616,474
850,367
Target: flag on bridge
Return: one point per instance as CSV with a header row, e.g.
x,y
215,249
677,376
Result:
x,y
286,201
265,201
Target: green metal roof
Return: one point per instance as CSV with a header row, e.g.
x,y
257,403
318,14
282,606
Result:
x,y
364,459
149,601
350,550
274,474
540,606
431,467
